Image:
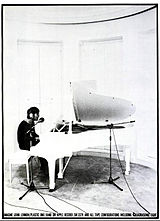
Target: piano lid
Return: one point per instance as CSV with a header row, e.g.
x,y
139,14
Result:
x,y
92,107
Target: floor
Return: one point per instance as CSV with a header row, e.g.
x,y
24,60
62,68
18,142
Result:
x,y
81,194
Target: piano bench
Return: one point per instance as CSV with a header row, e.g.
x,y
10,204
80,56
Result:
x,y
19,157
104,151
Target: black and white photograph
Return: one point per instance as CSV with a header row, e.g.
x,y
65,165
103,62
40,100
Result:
x,y
80,111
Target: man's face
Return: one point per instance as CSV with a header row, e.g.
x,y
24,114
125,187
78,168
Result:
x,y
34,116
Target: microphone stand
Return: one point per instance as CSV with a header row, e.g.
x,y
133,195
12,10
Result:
x,y
31,186
110,179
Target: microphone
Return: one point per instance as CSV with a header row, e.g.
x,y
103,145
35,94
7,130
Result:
x,y
40,120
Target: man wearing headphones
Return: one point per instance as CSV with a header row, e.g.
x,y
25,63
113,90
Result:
x,y
26,134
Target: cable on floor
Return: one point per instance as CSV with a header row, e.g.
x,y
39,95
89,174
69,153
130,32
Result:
x,y
46,202
41,210
65,202
125,177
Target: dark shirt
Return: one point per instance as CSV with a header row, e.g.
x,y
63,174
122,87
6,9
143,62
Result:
x,y
26,140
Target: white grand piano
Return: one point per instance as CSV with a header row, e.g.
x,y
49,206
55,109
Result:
x,y
94,113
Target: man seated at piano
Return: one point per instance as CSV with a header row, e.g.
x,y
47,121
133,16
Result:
x,y
26,134
93,115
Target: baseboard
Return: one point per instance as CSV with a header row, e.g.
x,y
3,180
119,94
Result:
x,y
148,162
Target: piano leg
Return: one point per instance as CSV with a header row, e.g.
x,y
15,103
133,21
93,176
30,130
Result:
x,y
127,160
51,172
62,167
60,174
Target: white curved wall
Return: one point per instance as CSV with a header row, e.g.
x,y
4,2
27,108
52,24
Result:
x,y
129,73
